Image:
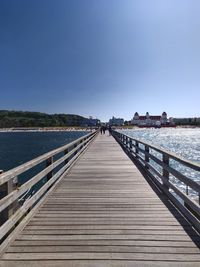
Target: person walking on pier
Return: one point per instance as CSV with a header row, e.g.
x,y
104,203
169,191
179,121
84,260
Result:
x,y
101,129
109,129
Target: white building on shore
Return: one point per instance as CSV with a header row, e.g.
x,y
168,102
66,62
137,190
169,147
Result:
x,y
150,120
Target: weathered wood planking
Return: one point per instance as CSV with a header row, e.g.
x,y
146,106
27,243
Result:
x,y
104,213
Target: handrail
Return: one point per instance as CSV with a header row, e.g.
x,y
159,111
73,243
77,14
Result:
x,y
172,155
32,163
9,204
161,176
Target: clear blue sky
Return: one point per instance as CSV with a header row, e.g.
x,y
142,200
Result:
x,y
100,57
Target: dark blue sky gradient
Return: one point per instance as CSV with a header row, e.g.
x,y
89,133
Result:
x,y
100,57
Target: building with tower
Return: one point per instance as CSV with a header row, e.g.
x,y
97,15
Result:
x,y
151,120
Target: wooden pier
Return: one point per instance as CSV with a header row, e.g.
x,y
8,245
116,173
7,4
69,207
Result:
x,y
100,212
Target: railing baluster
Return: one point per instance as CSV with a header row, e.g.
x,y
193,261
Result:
x,y
75,145
81,145
66,151
49,161
146,155
165,172
131,145
187,192
127,142
136,148
4,192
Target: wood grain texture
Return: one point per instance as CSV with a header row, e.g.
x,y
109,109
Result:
x,y
104,213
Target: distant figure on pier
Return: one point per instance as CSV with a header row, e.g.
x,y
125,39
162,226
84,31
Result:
x,y
103,129
109,129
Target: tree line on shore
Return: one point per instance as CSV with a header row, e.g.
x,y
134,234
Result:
x,y
9,119
187,121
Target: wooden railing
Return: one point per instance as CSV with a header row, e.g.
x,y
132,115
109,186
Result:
x,y
159,166
18,200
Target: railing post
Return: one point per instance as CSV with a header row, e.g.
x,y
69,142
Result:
x,y
66,151
146,156
136,148
81,143
49,161
126,141
3,193
165,172
131,145
187,191
75,145
12,185
6,189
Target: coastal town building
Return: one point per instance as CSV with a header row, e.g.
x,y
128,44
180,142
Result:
x,y
151,120
116,121
90,122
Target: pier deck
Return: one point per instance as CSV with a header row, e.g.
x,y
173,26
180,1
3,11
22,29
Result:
x,y
104,213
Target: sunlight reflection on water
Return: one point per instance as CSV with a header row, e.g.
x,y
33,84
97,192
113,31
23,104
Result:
x,y
184,142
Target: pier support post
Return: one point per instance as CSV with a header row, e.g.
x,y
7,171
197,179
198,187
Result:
x,y
165,172
130,145
81,145
6,189
126,139
49,161
136,148
66,151
75,145
146,156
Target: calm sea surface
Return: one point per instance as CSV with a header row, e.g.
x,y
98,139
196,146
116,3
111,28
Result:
x,y
183,141
19,147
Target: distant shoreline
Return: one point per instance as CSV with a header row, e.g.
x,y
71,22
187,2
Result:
x,y
79,129
46,129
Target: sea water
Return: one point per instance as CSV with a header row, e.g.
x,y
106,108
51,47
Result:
x,y
17,148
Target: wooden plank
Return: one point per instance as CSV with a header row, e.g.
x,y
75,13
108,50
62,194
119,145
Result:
x,y
104,249
103,256
109,232
98,263
172,228
108,237
108,242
